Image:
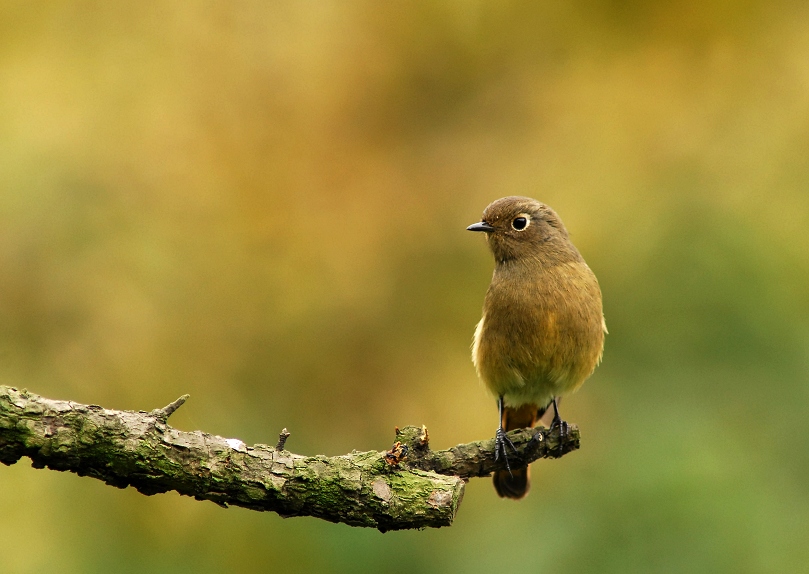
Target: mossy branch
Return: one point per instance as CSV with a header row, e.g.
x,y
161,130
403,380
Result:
x,y
410,486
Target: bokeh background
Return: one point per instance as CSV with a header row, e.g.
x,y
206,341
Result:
x,y
263,205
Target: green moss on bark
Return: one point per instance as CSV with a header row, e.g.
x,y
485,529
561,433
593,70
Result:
x,y
140,449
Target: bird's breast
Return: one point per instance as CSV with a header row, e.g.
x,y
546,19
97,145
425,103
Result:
x,y
541,333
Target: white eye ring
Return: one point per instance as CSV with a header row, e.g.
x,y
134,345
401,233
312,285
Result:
x,y
523,217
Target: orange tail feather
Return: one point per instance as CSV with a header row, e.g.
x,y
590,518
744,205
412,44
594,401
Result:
x,y
517,484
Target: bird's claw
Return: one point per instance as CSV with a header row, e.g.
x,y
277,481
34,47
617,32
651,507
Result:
x,y
564,430
500,441
562,426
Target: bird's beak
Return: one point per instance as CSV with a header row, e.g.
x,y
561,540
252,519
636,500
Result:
x,y
482,226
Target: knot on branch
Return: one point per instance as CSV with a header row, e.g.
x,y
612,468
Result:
x,y
164,413
282,439
396,454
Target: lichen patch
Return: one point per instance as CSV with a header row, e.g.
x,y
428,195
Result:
x,y
440,498
382,490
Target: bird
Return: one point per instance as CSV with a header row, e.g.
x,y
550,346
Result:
x,y
542,330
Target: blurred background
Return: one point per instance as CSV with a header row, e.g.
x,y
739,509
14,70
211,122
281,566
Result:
x,y
263,205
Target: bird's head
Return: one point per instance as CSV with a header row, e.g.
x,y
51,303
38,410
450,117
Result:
x,y
521,227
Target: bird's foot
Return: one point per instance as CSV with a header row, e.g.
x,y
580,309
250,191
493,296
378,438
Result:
x,y
564,430
500,441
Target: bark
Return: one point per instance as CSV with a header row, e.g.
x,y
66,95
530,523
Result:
x,y
410,486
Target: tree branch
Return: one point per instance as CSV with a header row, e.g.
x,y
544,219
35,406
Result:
x,y
410,486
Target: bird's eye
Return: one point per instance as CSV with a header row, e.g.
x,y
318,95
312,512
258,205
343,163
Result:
x,y
520,223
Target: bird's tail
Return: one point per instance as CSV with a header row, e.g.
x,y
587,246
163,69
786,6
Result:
x,y
517,483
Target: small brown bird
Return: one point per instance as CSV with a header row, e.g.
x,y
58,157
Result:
x,y
542,331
